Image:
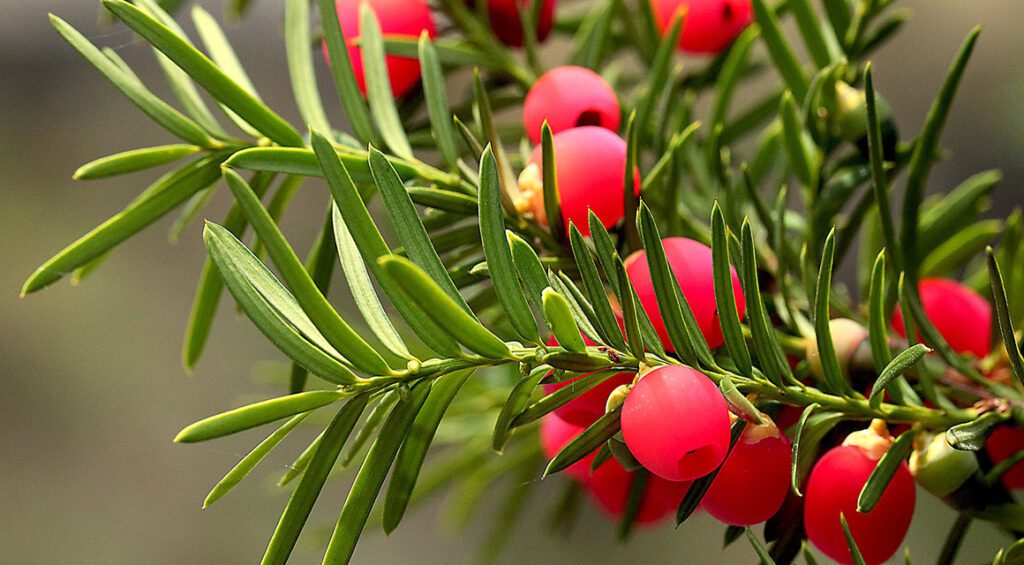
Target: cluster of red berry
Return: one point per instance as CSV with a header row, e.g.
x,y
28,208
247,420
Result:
x,y
675,423
708,27
579,106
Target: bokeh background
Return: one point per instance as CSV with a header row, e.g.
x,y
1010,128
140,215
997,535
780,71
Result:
x,y
91,385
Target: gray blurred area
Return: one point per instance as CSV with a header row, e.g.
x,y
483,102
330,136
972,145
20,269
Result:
x,y
91,384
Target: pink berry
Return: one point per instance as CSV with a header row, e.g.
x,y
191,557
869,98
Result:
x,y
591,169
569,97
505,21
1000,445
556,433
961,315
676,423
398,18
588,407
691,262
752,483
709,26
610,484
834,487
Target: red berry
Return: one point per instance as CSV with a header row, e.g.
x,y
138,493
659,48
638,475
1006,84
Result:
x,y
505,21
591,172
1000,445
569,97
961,315
787,417
834,487
609,487
691,262
709,26
556,433
676,423
398,18
753,482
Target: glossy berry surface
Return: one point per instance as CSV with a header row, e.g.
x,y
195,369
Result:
x,y
610,484
676,423
709,26
507,25
752,483
590,166
691,262
556,433
962,316
833,488
1001,444
398,18
569,97
588,407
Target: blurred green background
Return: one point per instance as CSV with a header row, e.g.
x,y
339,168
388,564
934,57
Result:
x,y
92,388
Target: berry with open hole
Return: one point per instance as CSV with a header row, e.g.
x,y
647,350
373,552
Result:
x,y
569,97
709,26
676,423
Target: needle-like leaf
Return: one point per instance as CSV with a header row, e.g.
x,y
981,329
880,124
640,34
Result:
x,y
434,91
590,439
272,310
499,256
171,192
257,414
371,475
337,331
780,50
925,153
206,73
1003,320
410,230
341,71
516,402
884,471
466,329
161,112
372,246
295,514
362,289
134,160
682,328
725,297
253,458
834,379
414,448
300,64
378,84
899,365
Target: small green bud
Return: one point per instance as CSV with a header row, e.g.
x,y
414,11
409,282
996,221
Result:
x,y
852,112
939,468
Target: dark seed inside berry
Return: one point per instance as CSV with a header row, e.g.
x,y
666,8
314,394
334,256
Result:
x,y
727,11
589,118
